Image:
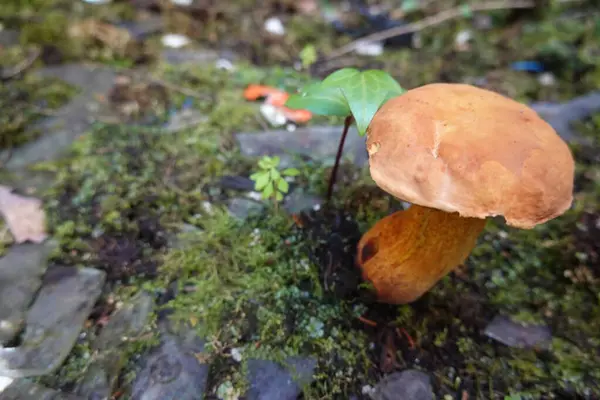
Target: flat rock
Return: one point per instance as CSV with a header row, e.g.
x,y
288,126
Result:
x,y
299,201
184,119
70,121
190,56
316,142
23,389
9,37
21,271
405,385
127,322
236,183
172,371
270,380
514,334
143,27
242,208
54,321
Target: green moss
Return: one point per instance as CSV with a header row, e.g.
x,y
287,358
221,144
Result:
x,y
26,101
254,289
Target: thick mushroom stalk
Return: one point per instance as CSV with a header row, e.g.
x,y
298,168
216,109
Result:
x,y
406,253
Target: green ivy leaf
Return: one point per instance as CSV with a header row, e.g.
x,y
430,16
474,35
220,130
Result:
x,y
291,172
320,100
278,196
341,78
349,92
367,93
283,186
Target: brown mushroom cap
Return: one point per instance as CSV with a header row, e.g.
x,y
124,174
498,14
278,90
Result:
x,y
459,148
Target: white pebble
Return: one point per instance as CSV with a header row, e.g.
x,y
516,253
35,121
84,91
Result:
x,y
273,115
274,26
175,40
223,63
236,354
546,79
372,49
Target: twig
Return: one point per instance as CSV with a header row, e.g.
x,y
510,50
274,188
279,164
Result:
x,y
431,21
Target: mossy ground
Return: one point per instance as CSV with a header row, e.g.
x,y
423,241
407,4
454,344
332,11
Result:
x,y
265,286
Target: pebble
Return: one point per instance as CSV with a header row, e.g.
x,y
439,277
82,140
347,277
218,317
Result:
x,y
405,385
514,334
54,321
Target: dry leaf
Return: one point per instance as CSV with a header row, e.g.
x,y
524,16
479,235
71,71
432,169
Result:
x,y
23,215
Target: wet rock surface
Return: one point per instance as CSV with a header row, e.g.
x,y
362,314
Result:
x,y
21,271
316,142
269,380
514,334
53,322
561,116
189,56
405,385
172,371
23,389
125,323
242,208
299,201
72,120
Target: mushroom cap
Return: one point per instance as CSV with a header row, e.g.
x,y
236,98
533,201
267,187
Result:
x,y
459,148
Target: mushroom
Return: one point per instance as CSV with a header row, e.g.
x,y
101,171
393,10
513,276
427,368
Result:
x,y
458,154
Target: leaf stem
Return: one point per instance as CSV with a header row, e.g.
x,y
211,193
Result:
x,y
347,122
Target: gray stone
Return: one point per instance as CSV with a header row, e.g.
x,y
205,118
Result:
x,y
299,201
127,322
172,371
405,385
561,116
53,323
181,239
317,142
143,28
269,380
23,389
184,119
70,121
243,208
9,37
21,271
514,334
190,56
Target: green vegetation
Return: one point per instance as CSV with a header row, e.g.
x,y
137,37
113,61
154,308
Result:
x,y
26,101
269,181
124,192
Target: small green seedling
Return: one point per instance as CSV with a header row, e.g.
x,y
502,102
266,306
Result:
x,y
348,93
308,55
269,181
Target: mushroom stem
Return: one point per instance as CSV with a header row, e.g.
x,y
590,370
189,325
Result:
x,y
408,252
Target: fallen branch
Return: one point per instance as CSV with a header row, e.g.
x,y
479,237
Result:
x,y
431,21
